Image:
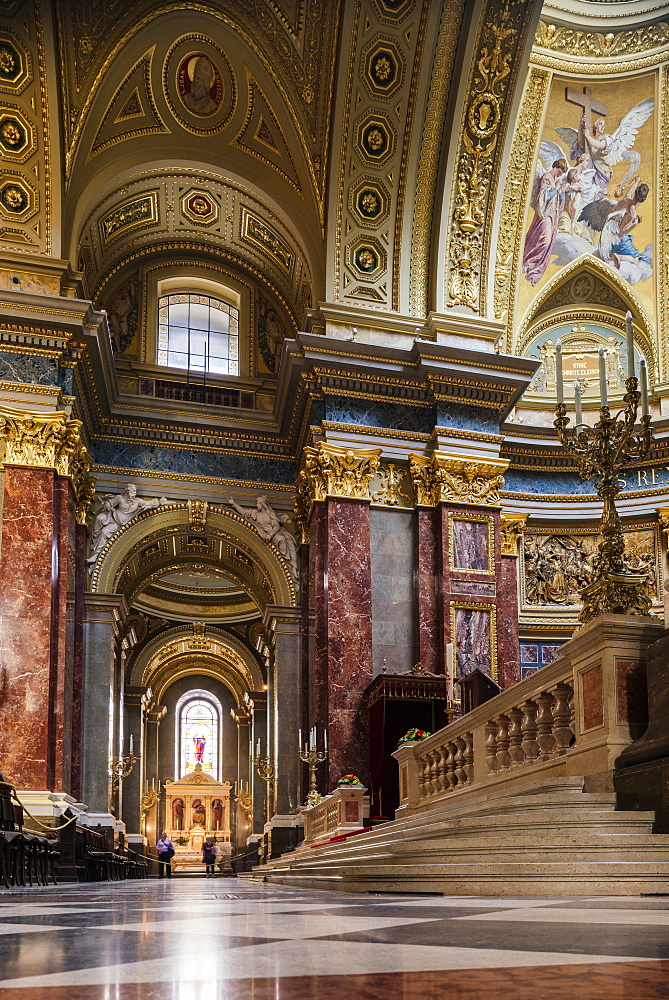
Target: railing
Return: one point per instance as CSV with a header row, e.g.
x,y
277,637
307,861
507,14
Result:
x,y
341,812
568,719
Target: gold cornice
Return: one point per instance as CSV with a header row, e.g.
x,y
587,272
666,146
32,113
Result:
x,y
569,41
46,441
384,432
330,471
567,65
444,478
512,527
252,485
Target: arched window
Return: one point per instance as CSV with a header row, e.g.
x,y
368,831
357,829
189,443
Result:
x,y
198,332
198,733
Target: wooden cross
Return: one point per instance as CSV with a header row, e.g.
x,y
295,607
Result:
x,y
586,101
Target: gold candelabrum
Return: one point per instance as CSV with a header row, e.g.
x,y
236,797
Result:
x,y
122,767
149,799
245,801
265,770
601,451
311,755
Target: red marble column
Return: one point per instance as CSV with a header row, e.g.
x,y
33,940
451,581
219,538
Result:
x,y
430,642
35,679
507,622
78,612
349,634
318,643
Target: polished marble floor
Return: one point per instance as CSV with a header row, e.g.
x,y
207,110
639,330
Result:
x,y
221,939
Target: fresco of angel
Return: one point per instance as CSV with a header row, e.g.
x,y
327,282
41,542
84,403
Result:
x,y
591,220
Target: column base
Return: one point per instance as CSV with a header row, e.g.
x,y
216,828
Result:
x,y
283,833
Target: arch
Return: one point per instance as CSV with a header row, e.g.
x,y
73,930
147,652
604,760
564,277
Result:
x,y
608,297
191,649
156,537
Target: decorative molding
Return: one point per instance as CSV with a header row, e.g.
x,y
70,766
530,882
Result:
x,y
519,176
329,471
494,71
599,45
512,527
46,441
446,478
663,227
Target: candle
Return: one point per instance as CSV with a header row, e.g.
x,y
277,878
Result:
x,y
325,739
449,670
258,748
577,400
602,376
130,742
558,371
299,740
644,386
629,331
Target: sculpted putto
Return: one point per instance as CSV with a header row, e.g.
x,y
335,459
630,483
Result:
x,y
117,510
270,526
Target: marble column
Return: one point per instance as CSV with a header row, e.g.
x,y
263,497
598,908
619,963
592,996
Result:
x,y
134,700
512,526
349,636
37,675
244,822
76,613
285,682
154,818
430,640
104,617
258,732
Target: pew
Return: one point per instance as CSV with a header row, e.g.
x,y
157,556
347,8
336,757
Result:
x,y
25,855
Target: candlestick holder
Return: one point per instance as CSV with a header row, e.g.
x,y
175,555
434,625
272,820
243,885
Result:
x,y
245,800
313,757
601,451
148,801
122,767
266,770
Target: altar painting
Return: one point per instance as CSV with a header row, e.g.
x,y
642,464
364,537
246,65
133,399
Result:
x,y
593,189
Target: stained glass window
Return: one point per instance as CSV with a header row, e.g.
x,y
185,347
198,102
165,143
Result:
x,y
198,332
198,724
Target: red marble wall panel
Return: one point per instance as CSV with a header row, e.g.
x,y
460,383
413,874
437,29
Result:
x,y
593,697
631,692
61,673
430,638
318,651
349,634
26,595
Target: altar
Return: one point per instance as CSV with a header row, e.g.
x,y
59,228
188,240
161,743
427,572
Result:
x,y
198,806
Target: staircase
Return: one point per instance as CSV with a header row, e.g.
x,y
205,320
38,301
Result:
x,y
554,840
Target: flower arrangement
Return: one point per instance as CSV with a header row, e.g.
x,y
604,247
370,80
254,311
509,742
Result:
x,y
412,735
182,841
349,779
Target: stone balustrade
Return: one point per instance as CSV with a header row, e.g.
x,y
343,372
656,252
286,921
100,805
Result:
x,y
571,718
342,811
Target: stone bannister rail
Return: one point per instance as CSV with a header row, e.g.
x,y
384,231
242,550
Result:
x,y
572,718
341,812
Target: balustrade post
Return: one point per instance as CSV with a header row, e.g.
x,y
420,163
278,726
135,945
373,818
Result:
x,y
516,737
450,767
503,756
562,715
442,784
469,757
545,737
529,727
423,777
491,747
460,772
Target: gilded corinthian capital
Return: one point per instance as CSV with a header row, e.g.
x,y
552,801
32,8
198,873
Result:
x,y
513,526
45,441
329,471
451,479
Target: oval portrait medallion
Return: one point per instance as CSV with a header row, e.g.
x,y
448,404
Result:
x,y
199,84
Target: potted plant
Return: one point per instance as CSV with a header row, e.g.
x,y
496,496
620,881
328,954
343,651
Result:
x,y
413,736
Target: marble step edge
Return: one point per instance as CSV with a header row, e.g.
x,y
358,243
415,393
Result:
x,y
604,869
535,888
549,858
401,851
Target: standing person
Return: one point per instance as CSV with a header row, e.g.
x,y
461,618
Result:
x,y
209,853
165,849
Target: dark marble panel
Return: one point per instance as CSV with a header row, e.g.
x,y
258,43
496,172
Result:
x,y
470,418
369,413
471,587
593,697
537,482
508,666
155,458
29,369
430,639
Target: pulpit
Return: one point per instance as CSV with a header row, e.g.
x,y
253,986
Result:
x,y
397,703
198,806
